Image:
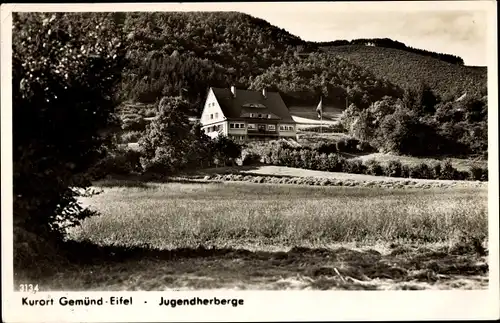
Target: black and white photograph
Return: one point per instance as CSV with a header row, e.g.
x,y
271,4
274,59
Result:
x,y
248,147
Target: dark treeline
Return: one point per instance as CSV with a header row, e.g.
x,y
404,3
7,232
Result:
x,y
389,43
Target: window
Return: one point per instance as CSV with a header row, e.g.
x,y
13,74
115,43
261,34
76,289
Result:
x,y
286,128
260,115
251,115
269,116
251,126
216,115
231,125
242,126
271,127
211,116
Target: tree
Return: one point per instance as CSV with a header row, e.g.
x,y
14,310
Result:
x,y
65,67
225,151
167,137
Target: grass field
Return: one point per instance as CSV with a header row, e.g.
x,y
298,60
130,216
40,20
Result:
x,y
157,236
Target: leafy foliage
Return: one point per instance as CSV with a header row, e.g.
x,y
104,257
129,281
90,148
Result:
x,y
421,124
170,142
335,79
65,67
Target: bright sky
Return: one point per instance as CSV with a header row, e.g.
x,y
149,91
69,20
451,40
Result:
x,y
458,28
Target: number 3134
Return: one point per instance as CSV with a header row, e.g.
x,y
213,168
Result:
x,y
29,288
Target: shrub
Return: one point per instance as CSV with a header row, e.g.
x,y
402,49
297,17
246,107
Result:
x,y
448,171
136,123
130,136
365,147
354,166
478,173
394,169
421,170
436,171
250,158
373,167
117,162
405,171
327,148
341,145
335,163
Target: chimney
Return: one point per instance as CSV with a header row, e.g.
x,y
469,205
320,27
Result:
x,y
264,93
233,90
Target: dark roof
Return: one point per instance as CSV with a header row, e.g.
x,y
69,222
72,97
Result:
x,y
246,102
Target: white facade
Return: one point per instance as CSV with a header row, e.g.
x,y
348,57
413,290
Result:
x,y
214,123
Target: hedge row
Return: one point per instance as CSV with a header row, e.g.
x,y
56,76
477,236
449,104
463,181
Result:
x,y
318,181
314,160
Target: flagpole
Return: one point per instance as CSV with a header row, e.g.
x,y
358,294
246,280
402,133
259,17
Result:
x,y
321,122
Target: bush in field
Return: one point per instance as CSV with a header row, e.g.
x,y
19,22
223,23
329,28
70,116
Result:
x,y
405,171
225,151
448,171
436,171
394,169
250,158
327,148
64,70
335,163
373,167
478,173
118,162
171,143
421,170
306,157
354,166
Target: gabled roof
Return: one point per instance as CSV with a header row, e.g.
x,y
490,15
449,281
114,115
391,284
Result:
x,y
247,102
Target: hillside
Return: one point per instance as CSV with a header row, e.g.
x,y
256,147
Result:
x,y
408,69
174,53
338,81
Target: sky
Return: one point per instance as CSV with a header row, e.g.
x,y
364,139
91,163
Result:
x,y
458,28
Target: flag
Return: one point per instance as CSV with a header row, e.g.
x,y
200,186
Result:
x,y
319,109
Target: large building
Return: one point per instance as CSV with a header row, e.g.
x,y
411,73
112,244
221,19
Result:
x,y
247,115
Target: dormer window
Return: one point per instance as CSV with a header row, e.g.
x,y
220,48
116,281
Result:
x,y
251,115
269,116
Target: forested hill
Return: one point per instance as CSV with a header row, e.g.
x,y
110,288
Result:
x,y
389,43
173,53
407,69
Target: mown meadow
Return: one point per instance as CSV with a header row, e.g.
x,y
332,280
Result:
x,y
173,215
196,234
